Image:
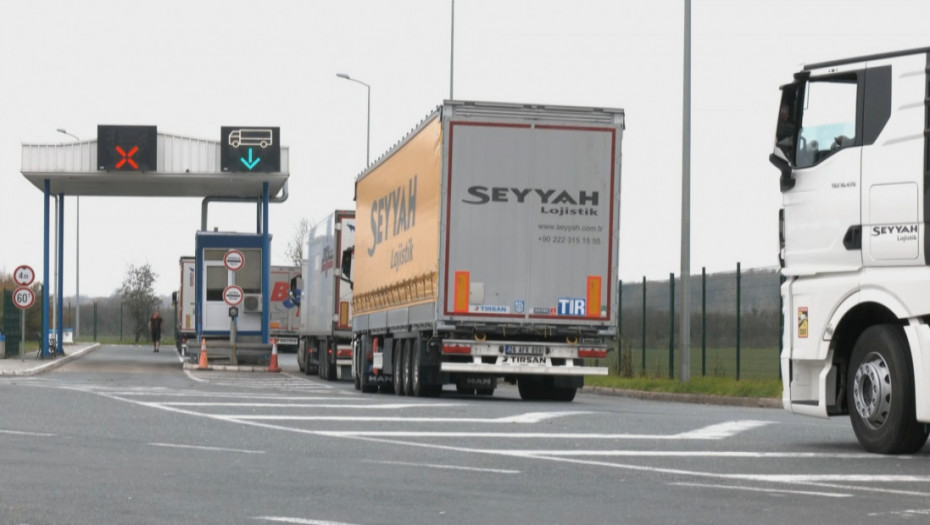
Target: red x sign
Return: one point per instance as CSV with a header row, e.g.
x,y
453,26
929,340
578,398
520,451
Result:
x,y
127,157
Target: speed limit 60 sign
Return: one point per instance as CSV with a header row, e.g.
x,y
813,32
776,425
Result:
x,y
23,297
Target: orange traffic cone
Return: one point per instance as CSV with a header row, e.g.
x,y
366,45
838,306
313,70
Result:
x,y
273,365
203,354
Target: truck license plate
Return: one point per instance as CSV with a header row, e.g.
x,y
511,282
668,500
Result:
x,y
523,350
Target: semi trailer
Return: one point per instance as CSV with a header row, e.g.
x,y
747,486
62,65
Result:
x,y
486,249
326,299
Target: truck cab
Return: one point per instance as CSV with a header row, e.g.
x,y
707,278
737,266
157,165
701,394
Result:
x,y
853,152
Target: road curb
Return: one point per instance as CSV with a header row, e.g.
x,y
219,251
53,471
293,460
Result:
x,y
701,399
228,368
51,364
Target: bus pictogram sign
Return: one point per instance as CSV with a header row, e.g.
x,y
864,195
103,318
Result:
x,y
250,149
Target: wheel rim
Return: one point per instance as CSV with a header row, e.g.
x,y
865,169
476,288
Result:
x,y
872,390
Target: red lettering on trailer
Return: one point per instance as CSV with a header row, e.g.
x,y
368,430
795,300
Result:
x,y
280,291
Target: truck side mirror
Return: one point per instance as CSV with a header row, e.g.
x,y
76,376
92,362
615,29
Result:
x,y
787,181
347,255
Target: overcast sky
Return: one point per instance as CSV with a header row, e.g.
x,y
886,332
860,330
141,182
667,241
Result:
x,y
192,66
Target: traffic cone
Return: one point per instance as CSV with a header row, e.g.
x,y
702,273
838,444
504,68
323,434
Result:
x,y
203,354
273,365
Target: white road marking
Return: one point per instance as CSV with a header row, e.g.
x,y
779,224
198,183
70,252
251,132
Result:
x,y
391,406
723,430
701,454
211,449
758,489
23,433
449,467
299,521
902,513
713,432
529,418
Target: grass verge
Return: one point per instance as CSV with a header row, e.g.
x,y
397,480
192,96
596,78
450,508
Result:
x,y
715,386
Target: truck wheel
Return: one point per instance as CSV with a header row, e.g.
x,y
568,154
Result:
x,y
408,368
397,362
365,385
880,393
530,389
301,360
562,394
484,391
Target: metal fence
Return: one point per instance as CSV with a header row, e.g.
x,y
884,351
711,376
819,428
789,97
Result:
x,y
735,326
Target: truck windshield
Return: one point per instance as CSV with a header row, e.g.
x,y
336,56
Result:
x,y
828,120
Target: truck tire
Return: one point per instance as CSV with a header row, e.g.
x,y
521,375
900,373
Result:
x,y
365,385
329,351
408,368
565,394
301,358
398,367
880,393
530,388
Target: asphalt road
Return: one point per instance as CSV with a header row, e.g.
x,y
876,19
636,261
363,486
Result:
x,y
123,435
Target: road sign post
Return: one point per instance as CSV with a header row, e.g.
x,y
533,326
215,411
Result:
x,y
23,298
232,296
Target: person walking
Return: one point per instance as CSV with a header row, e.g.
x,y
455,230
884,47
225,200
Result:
x,y
155,328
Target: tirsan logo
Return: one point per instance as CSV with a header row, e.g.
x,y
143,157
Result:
x,y
393,214
893,230
484,195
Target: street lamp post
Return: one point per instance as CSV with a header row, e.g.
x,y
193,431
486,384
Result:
x,y
368,132
77,254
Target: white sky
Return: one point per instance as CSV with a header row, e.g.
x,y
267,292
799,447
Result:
x,y
192,66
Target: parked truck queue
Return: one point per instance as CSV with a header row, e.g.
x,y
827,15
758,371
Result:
x,y
483,248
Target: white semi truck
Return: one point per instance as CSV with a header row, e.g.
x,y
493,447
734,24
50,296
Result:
x,y
185,301
326,299
486,249
853,148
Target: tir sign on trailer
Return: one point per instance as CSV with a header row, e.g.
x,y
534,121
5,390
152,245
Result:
x,y
127,148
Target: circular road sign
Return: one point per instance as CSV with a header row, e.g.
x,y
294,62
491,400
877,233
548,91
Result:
x,y
23,297
234,260
233,295
24,275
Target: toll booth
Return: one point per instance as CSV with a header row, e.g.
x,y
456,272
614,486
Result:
x,y
229,264
231,290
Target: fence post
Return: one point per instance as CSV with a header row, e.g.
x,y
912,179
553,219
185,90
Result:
x,y
738,331
671,326
619,325
644,325
703,321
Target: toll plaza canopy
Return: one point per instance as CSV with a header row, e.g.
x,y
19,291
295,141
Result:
x,y
248,163
186,167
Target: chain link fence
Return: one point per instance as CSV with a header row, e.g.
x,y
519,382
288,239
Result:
x,y
735,326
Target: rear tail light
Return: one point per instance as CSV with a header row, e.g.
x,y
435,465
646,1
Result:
x,y
456,349
592,353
